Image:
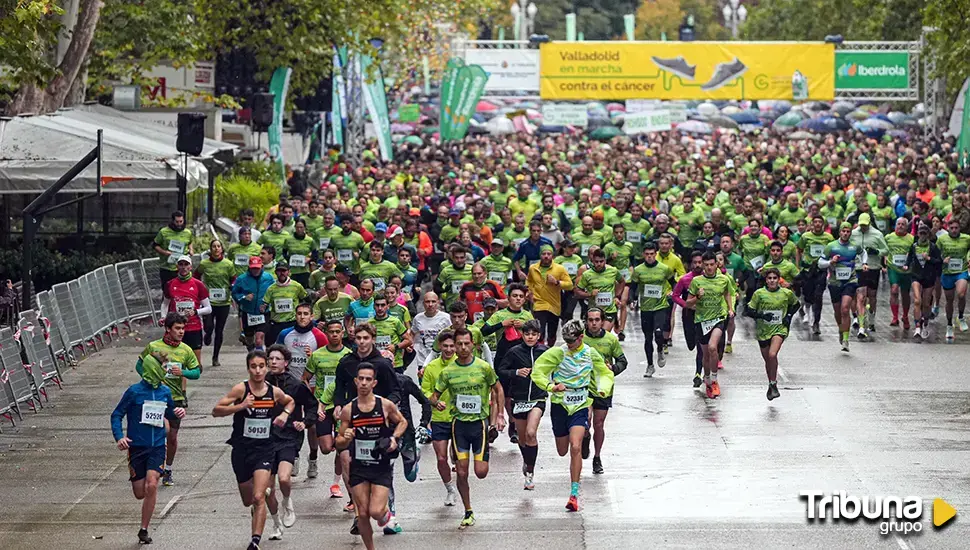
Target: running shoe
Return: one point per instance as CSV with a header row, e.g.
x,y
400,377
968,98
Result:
x,y
894,322
451,497
949,334
906,323
393,527
597,465
354,529
586,440
167,478
862,333
143,537
649,372
926,332
872,326
468,520
918,334
335,491
676,65
716,388
662,359
349,507
207,339
963,324
529,483
725,73
514,439
620,336
698,380
805,319
572,505
934,311
720,365
289,514
710,391
276,532
728,348
845,345
296,467
311,469
855,322
252,545
773,392
816,330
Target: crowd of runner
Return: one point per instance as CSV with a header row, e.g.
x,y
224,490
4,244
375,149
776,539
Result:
x,y
444,277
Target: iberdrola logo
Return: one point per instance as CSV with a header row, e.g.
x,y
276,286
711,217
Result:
x,y
848,69
853,69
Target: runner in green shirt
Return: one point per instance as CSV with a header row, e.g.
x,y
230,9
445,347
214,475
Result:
x,y
496,264
441,418
325,233
812,247
954,247
655,281
320,375
476,399
348,244
377,269
711,299
638,230
897,270
218,274
239,253
280,301
608,346
275,236
171,242
392,335
587,238
454,274
319,276
772,307
777,261
297,250
601,285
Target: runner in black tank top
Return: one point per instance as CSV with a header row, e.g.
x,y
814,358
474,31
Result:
x,y
372,428
255,406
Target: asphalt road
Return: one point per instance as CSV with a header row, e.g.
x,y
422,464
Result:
x,y
890,418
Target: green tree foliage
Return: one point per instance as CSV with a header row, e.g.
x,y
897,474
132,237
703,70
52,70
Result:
x,y
949,44
853,19
26,28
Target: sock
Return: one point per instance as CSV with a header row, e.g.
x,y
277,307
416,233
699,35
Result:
x,y
529,455
390,501
845,335
574,490
168,466
257,538
707,379
714,376
450,486
276,519
313,454
862,320
895,309
336,480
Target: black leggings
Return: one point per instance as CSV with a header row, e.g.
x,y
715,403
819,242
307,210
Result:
x,y
656,322
569,302
548,326
813,290
217,320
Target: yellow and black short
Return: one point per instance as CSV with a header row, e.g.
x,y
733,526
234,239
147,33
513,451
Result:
x,y
470,438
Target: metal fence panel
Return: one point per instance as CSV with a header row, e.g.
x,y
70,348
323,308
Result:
x,y
59,344
35,340
37,364
135,290
19,381
151,267
117,295
73,331
103,297
90,298
84,312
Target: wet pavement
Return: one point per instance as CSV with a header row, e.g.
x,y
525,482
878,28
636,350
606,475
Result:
x,y
889,419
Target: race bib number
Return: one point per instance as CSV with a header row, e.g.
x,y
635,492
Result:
x,y
519,241
831,221
468,404
324,243
843,273
729,271
574,398
604,299
378,284
256,428
406,289
327,380
218,294
955,264
707,216
652,291
364,450
634,236
176,247
899,260
707,326
571,269
625,273
775,317
345,255
253,320
283,305
583,250
153,413
497,276
168,369
881,225
186,307
816,250
298,260
456,286
757,262
382,342
479,315
520,407
242,259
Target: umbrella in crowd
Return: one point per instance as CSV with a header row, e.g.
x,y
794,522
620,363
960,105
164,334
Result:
x,y
789,119
605,133
485,106
721,121
745,117
822,125
499,126
695,127
803,135
880,122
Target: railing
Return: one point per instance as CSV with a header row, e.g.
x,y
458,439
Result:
x,y
67,322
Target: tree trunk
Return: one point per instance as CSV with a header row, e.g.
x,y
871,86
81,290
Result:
x,y
31,98
77,93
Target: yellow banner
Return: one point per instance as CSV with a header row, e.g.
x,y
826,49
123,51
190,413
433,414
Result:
x,y
686,70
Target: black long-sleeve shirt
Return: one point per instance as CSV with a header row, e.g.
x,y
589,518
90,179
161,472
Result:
x,y
410,388
387,384
304,410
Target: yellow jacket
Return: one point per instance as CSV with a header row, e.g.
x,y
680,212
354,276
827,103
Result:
x,y
546,297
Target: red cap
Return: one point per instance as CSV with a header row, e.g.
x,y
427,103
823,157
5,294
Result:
x,y
255,261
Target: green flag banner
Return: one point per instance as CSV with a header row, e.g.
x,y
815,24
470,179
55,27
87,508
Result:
x,y
570,27
375,98
336,110
963,144
279,85
447,95
409,112
469,88
426,70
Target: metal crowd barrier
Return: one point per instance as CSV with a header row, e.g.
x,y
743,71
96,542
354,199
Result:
x,y
71,320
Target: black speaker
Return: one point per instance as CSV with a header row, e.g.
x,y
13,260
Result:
x,y
262,111
191,133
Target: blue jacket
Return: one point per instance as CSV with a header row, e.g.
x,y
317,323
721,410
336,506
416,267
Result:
x,y
142,435
530,251
247,284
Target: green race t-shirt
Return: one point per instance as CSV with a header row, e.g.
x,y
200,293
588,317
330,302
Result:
x,y
176,242
654,283
775,303
898,251
276,240
390,330
345,247
954,252
326,311
217,277
712,304
470,386
380,273
297,253
239,256
497,268
602,287
282,300
181,355
322,364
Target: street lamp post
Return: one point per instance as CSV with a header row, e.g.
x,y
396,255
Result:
x,y
524,18
734,15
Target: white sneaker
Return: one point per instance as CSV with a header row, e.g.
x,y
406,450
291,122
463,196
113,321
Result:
x,y
289,514
649,372
805,317
949,334
845,345
276,533
926,332
918,333
311,469
963,325
451,497
862,333
296,467
661,359
529,483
